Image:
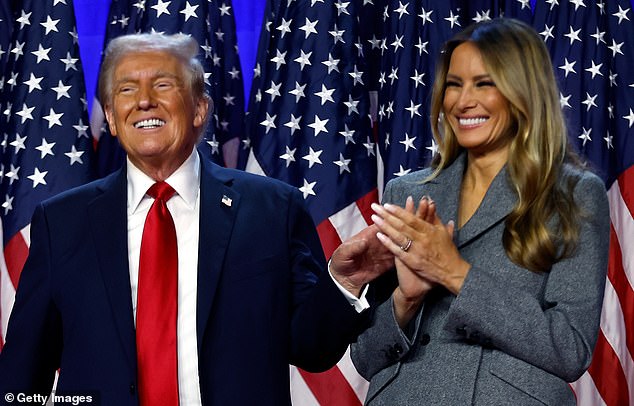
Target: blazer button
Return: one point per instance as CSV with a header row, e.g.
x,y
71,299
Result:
x,y
425,339
461,330
398,349
132,389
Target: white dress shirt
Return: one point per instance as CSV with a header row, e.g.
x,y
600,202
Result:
x,y
185,209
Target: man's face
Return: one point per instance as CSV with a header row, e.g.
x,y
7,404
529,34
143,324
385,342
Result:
x,y
153,112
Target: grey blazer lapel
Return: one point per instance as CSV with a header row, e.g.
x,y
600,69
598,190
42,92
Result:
x,y
498,202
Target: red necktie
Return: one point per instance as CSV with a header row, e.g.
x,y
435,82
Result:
x,y
157,304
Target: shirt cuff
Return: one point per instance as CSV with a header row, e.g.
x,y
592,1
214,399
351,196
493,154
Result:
x,y
359,303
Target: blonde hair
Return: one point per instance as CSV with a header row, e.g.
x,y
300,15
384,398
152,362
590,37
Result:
x,y
519,64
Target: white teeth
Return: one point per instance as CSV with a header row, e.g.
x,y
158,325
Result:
x,y
150,123
471,121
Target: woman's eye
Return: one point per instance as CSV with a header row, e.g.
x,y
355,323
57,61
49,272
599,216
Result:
x,y
486,83
451,83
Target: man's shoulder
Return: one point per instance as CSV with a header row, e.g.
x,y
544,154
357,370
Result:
x,y
246,181
83,193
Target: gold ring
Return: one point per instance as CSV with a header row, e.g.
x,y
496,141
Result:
x,y
407,245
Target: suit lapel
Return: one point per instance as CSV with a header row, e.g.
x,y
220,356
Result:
x,y
496,205
218,207
498,202
108,220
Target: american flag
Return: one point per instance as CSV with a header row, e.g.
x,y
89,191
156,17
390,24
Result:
x,y
46,147
309,125
212,24
592,47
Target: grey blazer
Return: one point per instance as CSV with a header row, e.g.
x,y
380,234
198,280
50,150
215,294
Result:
x,y
511,336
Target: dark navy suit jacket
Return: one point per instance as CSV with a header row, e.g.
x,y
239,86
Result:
x,y
264,297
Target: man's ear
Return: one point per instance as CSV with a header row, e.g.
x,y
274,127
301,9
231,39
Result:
x,y
110,119
202,108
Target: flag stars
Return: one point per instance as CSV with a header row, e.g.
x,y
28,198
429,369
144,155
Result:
x,y
453,19
630,118
573,35
589,101
303,59
398,42
189,11
288,156
548,32
356,76
229,100
578,3
595,69
225,10
61,90
38,177
342,7
413,109
41,54
608,141
285,27
426,16
7,205
402,171
564,101
161,7
482,16
269,122
351,104
568,67
234,73
18,143
585,135
279,59
343,164
24,19
347,134
337,35
70,62
25,113
82,129
307,189
622,14
331,64
408,142
298,92
274,90
46,148
369,146
313,157
319,125
18,49
402,9
214,145
599,36
293,124
53,118
74,156
309,27
422,46
418,78
325,94
616,48
612,78
12,174
34,83
50,25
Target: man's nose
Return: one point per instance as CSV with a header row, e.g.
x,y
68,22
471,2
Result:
x,y
145,98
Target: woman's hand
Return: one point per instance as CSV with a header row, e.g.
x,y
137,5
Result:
x,y
424,245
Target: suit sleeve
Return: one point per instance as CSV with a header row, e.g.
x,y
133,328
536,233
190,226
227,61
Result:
x,y
323,321
31,353
558,333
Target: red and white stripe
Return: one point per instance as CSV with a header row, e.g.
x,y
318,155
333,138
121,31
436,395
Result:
x,y
11,263
610,379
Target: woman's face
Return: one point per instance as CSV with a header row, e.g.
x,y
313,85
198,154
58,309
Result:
x,y
477,112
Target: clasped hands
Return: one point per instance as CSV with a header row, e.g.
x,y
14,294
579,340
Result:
x,y
415,241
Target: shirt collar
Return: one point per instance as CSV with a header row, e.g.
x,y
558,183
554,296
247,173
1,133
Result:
x,y
185,180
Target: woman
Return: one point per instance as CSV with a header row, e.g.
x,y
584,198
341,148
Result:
x,y
500,304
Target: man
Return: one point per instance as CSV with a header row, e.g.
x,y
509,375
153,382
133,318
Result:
x,y
251,293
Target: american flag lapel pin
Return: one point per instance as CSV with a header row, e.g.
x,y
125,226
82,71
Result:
x,y
226,200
